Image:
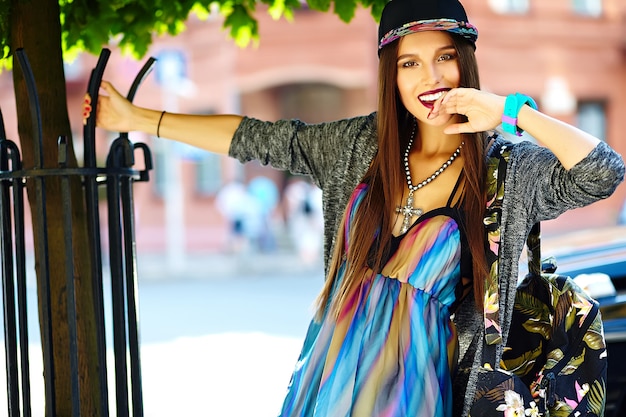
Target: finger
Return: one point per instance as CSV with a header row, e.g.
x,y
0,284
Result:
x,y
454,104
86,113
448,96
86,108
107,87
438,105
457,128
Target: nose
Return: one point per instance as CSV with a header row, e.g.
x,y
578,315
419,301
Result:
x,y
432,74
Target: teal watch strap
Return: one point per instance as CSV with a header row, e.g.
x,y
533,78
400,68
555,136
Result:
x,y
512,106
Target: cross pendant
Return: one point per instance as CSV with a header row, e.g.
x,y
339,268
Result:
x,y
408,211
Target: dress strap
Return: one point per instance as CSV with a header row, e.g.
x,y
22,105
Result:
x,y
455,190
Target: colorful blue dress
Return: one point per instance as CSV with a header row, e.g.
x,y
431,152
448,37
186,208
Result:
x,y
393,347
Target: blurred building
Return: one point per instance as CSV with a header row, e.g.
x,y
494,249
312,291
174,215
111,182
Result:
x,y
568,54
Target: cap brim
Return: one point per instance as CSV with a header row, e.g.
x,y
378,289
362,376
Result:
x,y
465,29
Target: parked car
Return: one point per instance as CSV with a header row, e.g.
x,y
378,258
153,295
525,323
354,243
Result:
x,y
597,259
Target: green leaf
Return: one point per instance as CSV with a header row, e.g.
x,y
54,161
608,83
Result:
x,y
243,28
345,9
377,9
573,364
553,358
276,9
523,364
540,327
594,339
597,396
532,306
320,5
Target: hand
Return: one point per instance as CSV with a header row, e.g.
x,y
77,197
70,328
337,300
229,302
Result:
x,y
114,112
483,110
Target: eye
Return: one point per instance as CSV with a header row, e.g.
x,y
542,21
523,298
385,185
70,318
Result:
x,y
408,64
446,57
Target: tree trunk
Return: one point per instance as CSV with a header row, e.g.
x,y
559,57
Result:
x,y
35,27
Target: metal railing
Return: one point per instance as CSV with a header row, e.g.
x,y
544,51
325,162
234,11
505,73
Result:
x,y
118,177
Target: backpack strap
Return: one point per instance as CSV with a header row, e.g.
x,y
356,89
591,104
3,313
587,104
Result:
x,y
496,173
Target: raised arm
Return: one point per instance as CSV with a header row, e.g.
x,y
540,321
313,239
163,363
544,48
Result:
x,y
210,132
568,143
484,112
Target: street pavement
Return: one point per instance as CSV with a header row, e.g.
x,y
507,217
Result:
x,y
222,338
218,338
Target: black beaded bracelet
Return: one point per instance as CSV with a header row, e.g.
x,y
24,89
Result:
x,y
159,125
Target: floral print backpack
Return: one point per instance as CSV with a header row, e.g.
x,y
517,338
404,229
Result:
x,y
555,360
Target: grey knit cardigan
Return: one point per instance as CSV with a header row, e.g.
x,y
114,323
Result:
x,y
337,154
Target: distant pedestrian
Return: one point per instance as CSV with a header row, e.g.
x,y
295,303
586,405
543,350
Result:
x,y
233,202
264,192
305,220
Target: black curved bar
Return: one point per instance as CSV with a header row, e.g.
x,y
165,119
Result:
x,y
130,256
20,262
93,226
8,288
93,88
141,75
35,109
117,295
144,175
10,160
41,235
130,265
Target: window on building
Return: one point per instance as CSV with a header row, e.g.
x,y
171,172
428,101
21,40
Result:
x,y
313,102
207,167
591,8
208,170
591,117
509,6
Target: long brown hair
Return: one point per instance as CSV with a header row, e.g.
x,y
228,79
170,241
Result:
x,y
385,179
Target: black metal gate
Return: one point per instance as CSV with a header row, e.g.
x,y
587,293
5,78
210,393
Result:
x,y
118,177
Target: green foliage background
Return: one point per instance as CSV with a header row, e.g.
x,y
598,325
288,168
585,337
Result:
x,y
87,25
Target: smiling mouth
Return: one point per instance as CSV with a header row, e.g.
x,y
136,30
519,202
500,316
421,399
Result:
x,y
428,99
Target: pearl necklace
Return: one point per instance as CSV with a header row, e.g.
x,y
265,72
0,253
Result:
x,y
408,211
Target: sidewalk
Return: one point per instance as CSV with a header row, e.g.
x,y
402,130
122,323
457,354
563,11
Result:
x,y
211,332
216,265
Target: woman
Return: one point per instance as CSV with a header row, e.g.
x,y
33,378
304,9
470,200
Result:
x,y
404,199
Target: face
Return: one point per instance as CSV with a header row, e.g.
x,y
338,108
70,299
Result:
x,y
427,68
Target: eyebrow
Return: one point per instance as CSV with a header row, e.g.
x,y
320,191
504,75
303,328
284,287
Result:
x,y
443,48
